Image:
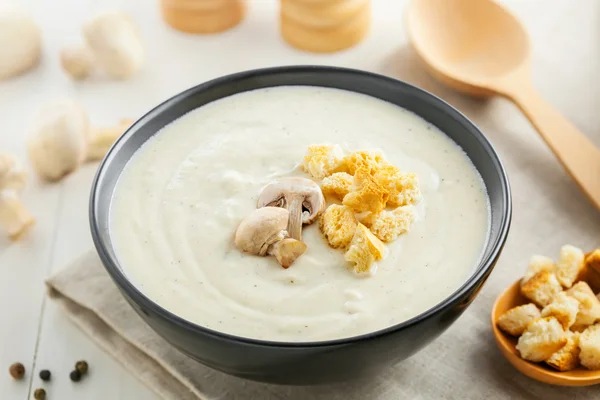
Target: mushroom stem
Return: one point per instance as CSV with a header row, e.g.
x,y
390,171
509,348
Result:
x,y
287,251
294,227
102,140
14,217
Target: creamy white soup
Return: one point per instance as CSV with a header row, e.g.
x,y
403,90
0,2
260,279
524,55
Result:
x,y
180,199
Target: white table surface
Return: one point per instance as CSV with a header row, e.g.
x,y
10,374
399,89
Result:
x,y
32,330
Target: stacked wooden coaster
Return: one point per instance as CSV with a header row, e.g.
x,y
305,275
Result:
x,y
324,25
203,16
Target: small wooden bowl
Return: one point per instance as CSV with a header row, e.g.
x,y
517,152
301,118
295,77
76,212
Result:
x,y
580,376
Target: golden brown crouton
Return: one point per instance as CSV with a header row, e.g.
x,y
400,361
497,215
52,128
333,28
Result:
x,y
537,264
589,305
364,250
338,224
541,288
366,160
392,224
564,308
366,194
515,320
592,260
570,263
589,344
542,338
367,218
403,188
321,160
566,358
337,184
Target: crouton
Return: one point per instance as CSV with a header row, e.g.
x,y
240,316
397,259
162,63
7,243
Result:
x,y
321,160
515,320
570,263
366,160
366,194
391,224
589,344
566,358
541,288
403,188
589,305
364,250
337,184
592,260
367,218
564,308
542,338
338,224
537,264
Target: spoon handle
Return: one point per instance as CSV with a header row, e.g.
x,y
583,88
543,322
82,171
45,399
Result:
x,y
574,150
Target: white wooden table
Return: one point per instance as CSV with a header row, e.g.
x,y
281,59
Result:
x,y
32,330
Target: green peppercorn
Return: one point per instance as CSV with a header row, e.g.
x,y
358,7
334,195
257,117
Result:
x,y
39,394
82,367
75,375
17,371
45,375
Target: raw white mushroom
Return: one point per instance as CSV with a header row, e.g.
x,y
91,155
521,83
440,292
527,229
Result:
x,y
115,43
77,61
102,140
302,197
62,139
20,43
58,142
14,217
263,232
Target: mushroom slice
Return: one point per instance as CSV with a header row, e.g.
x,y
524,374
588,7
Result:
x,y
263,232
302,197
287,251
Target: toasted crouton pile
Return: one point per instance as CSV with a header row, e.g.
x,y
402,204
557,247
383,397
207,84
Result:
x,y
377,201
561,325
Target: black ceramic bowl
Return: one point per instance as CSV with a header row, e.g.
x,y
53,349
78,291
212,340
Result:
x,y
311,362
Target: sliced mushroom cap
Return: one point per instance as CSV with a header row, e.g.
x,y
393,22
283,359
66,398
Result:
x,y
263,233
302,197
260,229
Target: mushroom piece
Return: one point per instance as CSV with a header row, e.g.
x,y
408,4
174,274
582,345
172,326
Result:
x,y
61,139
115,43
102,140
20,43
263,232
14,217
77,62
302,197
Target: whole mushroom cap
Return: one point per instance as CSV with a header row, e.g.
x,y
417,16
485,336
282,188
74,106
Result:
x,y
115,43
59,138
20,43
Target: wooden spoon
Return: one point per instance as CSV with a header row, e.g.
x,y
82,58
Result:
x,y
539,371
481,49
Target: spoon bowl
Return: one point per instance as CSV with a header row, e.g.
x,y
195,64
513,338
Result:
x,y
579,376
460,42
481,49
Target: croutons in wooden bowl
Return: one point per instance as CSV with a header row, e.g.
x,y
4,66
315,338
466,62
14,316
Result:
x,y
564,367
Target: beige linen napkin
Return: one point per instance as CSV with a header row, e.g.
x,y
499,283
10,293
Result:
x,y
464,363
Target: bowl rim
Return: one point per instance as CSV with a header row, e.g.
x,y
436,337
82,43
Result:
x,y
481,270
